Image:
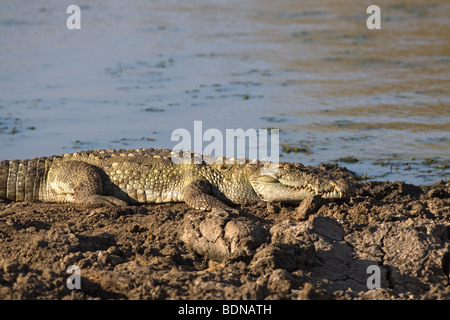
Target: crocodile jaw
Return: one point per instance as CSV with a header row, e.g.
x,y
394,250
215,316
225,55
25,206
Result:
x,y
271,190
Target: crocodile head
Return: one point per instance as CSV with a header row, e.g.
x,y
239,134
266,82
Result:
x,y
295,182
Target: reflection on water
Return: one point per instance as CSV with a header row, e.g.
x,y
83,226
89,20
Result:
x,y
375,101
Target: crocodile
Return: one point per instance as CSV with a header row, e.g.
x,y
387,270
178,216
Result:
x,y
120,177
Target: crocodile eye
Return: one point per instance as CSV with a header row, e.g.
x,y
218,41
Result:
x,y
221,167
289,166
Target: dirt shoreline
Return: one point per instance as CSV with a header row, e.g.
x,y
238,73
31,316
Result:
x,y
321,249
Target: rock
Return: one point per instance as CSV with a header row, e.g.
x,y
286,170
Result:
x,y
308,206
10,266
219,237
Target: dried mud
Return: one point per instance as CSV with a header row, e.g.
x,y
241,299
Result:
x,y
321,249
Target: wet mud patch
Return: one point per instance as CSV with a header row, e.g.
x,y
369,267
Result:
x,y
170,251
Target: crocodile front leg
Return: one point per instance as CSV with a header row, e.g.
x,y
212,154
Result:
x,y
197,194
77,182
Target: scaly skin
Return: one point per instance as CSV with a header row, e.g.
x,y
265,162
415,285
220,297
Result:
x,y
121,177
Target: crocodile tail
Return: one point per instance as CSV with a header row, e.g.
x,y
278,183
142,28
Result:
x,y
22,180
4,165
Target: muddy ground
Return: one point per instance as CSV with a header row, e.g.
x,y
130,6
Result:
x,y
320,249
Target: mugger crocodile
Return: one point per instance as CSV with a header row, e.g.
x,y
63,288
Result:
x,y
121,177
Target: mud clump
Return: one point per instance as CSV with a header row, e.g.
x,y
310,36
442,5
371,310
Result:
x,y
321,249
220,236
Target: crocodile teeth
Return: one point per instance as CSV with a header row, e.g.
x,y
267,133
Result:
x,y
300,188
326,194
333,194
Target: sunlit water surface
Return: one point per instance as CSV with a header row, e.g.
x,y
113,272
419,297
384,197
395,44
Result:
x,y
375,101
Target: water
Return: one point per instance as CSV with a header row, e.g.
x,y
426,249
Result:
x,y
375,101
